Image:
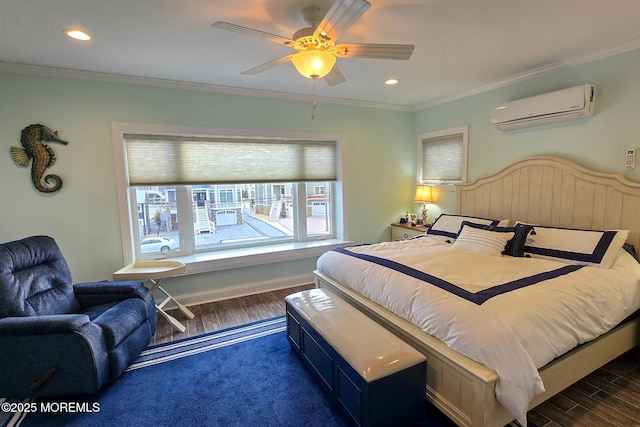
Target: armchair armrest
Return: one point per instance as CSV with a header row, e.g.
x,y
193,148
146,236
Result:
x,y
92,294
42,325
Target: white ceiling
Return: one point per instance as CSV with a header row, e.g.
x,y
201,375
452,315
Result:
x,y
462,46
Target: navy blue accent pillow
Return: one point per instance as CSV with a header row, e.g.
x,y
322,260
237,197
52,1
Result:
x,y
515,246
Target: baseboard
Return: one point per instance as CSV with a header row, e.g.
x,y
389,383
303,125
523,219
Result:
x,y
241,290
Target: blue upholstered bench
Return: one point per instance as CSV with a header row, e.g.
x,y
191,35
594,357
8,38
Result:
x,y
374,377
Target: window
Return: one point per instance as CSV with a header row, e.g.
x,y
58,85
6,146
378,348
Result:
x,y
442,156
226,196
231,222
190,195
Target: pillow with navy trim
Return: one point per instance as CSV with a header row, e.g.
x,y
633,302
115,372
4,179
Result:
x,y
583,247
448,225
479,239
515,246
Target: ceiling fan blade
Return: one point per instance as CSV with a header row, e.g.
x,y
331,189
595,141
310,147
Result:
x,y
340,16
334,77
267,66
251,32
375,51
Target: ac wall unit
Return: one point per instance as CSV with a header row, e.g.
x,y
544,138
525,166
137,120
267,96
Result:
x,y
559,106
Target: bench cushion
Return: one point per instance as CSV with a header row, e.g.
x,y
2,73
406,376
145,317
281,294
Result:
x,y
368,347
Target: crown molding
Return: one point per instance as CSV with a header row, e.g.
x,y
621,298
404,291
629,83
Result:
x,y
40,70
615,50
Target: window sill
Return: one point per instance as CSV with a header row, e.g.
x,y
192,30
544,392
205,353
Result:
x,y
246,257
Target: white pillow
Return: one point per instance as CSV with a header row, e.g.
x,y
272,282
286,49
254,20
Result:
x,y
449,225
484,241
582,247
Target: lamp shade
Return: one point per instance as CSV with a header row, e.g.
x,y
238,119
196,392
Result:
x,y
313,62
423,194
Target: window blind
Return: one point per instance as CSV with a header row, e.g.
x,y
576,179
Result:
x,y
170,160
442,158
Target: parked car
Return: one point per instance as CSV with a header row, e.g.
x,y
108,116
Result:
x,y
154,245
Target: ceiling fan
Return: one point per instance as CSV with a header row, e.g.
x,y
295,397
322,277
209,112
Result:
x,y
316,46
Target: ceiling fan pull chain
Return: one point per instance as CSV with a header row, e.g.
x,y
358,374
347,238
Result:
x,y
313,99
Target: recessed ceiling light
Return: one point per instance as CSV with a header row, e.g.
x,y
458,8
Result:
x,y
78,34
391,82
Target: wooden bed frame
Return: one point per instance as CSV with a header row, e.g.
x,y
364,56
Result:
x,y
539,190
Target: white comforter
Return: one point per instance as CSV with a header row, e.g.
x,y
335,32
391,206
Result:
x,y
512,333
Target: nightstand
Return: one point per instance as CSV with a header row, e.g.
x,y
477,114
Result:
x,y
406,231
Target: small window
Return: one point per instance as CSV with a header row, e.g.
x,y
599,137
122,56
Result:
x,y
226,196
442,156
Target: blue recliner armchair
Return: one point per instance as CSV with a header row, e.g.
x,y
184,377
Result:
x,y
57,338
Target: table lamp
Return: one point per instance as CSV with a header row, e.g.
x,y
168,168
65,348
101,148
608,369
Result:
x,y
424,196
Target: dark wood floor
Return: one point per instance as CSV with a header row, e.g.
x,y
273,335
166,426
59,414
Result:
x,y
608,397
223,314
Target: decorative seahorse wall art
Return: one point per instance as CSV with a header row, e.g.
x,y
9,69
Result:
x,y
40,155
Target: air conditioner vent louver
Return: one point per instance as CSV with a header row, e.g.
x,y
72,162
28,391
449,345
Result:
x,y
567,104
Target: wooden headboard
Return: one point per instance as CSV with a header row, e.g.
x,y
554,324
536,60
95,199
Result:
x,y
556,192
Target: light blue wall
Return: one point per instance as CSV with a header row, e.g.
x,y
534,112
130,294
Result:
x,y
83,216
599,142
379,153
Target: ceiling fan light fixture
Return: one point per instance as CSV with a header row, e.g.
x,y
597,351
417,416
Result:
x,y
313,62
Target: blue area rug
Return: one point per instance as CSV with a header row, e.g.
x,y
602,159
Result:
x,y
244,376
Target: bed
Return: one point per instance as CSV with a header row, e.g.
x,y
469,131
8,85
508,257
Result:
x,y
545,191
